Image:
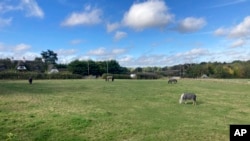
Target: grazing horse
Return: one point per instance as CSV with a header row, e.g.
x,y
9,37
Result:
x,y
30,80
109,77
188,96
171,81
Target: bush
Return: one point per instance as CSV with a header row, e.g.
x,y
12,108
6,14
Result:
x,y
117,76
35,75
147,76
138,76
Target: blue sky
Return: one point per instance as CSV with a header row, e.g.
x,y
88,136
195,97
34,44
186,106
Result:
x,y
133,32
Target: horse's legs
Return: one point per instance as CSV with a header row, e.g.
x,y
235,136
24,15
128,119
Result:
x,y
194,102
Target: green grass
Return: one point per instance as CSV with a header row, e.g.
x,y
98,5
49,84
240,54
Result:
x,y
132,110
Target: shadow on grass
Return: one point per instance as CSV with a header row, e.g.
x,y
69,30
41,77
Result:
x,y
191,103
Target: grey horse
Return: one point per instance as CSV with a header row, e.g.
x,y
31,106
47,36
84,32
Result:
x,y
170,81
188,96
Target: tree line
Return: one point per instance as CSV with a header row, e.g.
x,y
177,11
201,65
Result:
x,y
235,69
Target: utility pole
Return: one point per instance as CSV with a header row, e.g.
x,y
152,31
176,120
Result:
x,y
88,67
180,70
107,68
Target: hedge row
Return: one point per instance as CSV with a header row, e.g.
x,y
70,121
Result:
x,y
34,75
117,76
138,76
147,76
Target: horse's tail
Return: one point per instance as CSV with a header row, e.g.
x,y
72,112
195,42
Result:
x,y
181,98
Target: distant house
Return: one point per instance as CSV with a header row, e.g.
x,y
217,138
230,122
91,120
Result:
x,y
132,76
204,76
2,67
54,70
29,65
21,66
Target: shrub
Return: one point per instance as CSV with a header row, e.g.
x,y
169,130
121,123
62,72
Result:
x,y
138,76
35,75
117,76
147,76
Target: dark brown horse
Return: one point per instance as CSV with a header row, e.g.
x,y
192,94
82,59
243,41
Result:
x,y
30,80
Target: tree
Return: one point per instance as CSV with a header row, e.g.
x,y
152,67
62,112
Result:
x,y
78,67
38,65
102,67
138,69
93,68
114,67
247,70
6,63
49,57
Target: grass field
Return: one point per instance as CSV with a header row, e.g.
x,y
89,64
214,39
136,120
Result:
x,y
124,110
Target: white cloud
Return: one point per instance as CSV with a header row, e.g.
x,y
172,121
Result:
x,y
67,59
18,52
65,52
119,35
21,47
28,55
150,60
220,32
151,13
5,22
191,24
76,41
112,26
4,7
14,48
104,52
240,33
195,52
97,52
85,57
191,56
118,51
66,56
32,8
242,29
231,54
125,59
228,3
238,43
87,17
195,55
